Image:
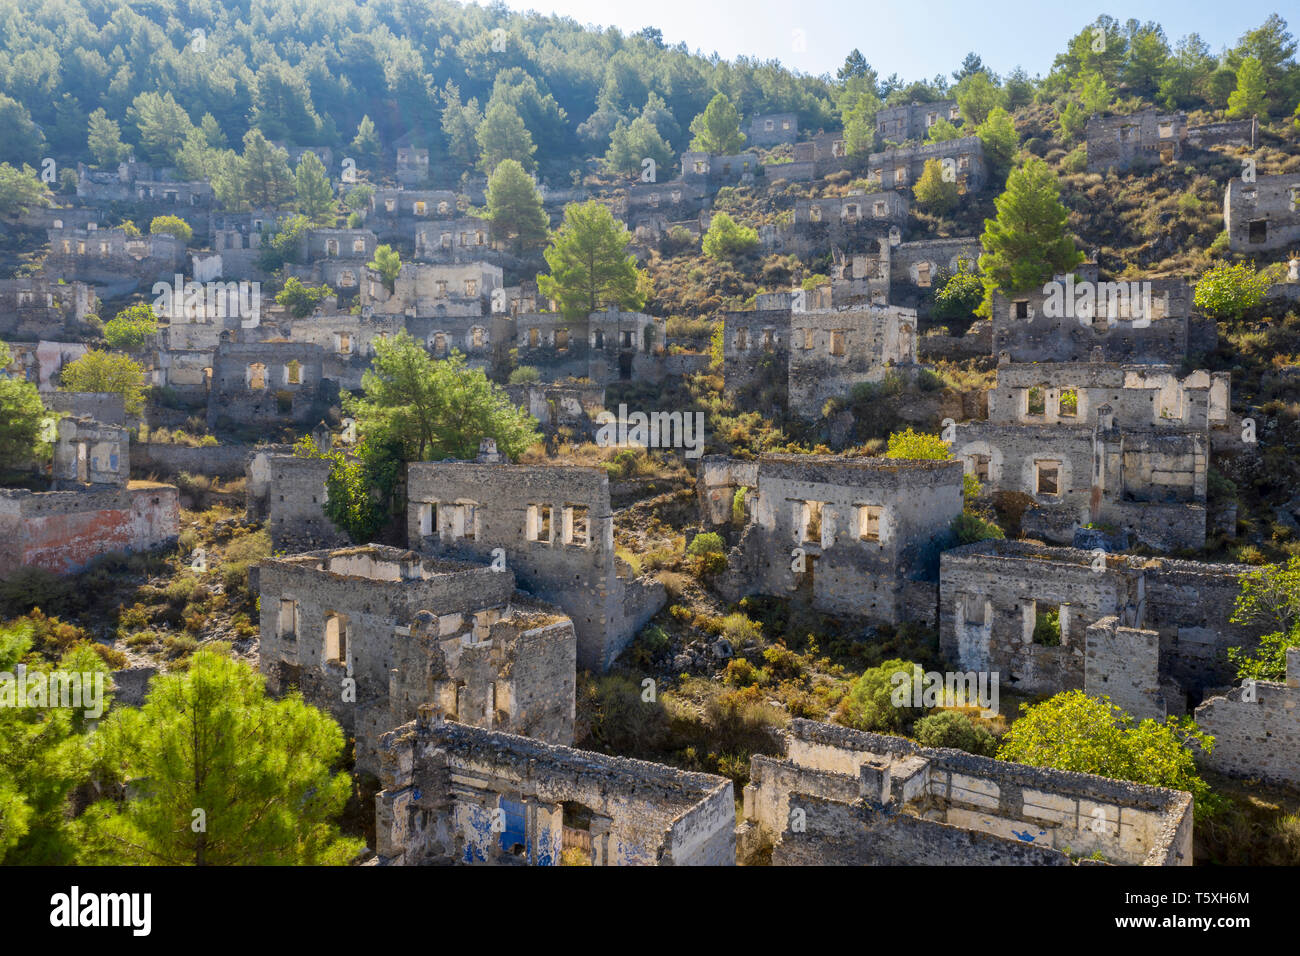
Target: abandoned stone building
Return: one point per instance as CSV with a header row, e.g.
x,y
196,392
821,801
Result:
x,y
772,129
1264,215
675,201
902,124
855,221
40,362
453,240
266,383
901,167
459,794
35,308
346,342
397,212
106,407
141,184
113,259
858,536
1151,138
609,346
756,351
93,509
571,406
833,350
434,289
371,633
710,173
1026,611
1147,483
353,244
1145,322
1256,728
290,492
553,527
412,166
887,270
841,797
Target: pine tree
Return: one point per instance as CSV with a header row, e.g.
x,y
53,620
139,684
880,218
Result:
x,y
263,171
717,129
231,777
312,188
503,135
590,265
1028,242
514,207
366,142
1250,98
104,138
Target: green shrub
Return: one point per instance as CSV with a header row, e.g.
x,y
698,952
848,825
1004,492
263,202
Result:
x,y
710,542
869,704
954,730
968,528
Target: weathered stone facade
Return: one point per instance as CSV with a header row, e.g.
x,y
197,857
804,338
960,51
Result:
x,y
261,383
372,633
457,794
552,526
996,600
1263,215
831,351
847,798
771,129
901,124
856,536
34,308
1256,728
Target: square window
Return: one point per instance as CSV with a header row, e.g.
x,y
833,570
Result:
x,y
837,345
1068,405
1035,400
1020,309
869,522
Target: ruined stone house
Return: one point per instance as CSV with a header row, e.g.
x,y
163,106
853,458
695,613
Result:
x,y
772,129
841,797
425,289
1151,138
1256,728
93,509
111,258
608,346
1263,215
1027,612
902,124
458,794
833,350
552,526
901,167
711,172
266,383
36,308
372,633
858,536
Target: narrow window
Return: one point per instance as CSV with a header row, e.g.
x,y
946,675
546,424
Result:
x,y
869,522
1047,477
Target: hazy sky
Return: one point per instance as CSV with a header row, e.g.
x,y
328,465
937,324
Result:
x,y
914,39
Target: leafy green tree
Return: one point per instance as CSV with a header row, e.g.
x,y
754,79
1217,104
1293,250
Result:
x,y
1019,89
942,131
131,328
502,135
225,776
104,139
590,267
1148,54
1269,596
281,241
514,207
366,142
1074,120
435,409
869,704
1028,242
727,239
1095,95
21,415
860,125
358,197
999,138
960,296
98,371
1274,49
1250,98
460,123
21,190
388,263
971,65
1229,291
717,129
313,190
913,444
43,754
954,730
934,193
24,142
300,299
162,123
1186,73
264,171
359,487
976,96
630,145
171,226
1073,731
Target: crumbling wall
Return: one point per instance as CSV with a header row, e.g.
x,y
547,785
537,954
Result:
x,y
1256,728
296,499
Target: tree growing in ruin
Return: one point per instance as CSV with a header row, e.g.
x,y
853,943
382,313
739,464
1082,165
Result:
x,y
98,371
590,265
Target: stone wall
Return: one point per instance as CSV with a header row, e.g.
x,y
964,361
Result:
x,y
1263,215
1256,728
457,794
296,505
